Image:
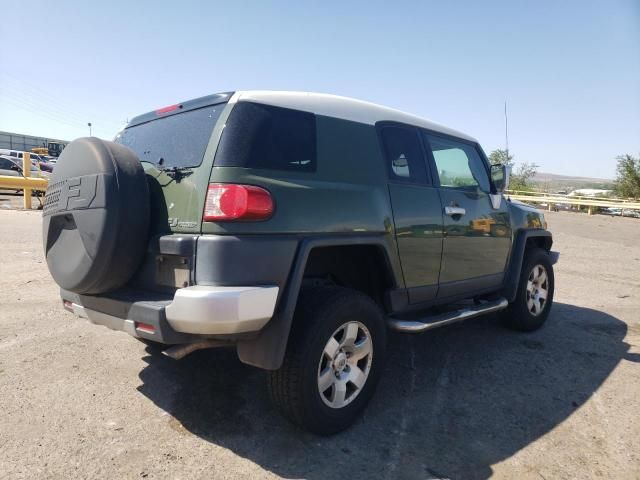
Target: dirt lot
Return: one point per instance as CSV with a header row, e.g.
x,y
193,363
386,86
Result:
x,y
470,401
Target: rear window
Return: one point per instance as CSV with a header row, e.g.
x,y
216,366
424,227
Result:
x,y
179,140
266,137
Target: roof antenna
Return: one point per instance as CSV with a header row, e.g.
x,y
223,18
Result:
x,y
506,129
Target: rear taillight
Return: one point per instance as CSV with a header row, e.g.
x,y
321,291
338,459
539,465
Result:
x,y
237,202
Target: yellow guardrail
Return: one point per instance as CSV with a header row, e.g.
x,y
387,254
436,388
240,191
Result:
x,y
26,182
579,200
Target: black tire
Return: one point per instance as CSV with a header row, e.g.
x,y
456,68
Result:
x,y
518,314
294,387
96,216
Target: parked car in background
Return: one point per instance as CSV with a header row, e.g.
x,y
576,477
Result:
x,y
630,213
612,211
12,167
46,166
41,163
15,165
8,167
18,154
562,206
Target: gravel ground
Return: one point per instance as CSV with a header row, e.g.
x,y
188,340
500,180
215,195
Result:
x,y
469,401
16,201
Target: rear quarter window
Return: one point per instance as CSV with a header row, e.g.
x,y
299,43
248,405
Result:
x,y
266,137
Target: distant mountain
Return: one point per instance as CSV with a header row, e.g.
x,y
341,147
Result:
x,y
552,181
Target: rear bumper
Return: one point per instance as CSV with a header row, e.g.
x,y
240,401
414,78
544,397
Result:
x,y
207,310
193,312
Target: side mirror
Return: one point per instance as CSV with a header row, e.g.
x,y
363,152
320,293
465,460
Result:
x,y
16,168
500,177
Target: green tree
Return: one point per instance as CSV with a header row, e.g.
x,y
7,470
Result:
x,y
628,179
521,177
501,157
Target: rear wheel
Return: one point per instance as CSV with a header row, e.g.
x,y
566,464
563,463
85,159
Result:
x,y
534,297
334,359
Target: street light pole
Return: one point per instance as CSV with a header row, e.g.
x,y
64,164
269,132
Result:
x,y
89,125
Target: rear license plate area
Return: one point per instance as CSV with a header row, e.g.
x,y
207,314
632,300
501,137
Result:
x,y
173,271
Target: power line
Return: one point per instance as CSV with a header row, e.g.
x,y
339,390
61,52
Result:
x,y
29,102
29,92
39,112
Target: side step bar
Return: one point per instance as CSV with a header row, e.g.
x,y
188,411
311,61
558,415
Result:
x,y
440,320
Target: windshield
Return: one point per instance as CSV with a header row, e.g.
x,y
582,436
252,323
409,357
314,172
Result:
x,y
179,140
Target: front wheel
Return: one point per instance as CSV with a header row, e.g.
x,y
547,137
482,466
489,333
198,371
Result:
x,y
334,359
534,296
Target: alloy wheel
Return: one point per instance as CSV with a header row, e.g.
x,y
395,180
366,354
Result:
x,y
537,290
345,364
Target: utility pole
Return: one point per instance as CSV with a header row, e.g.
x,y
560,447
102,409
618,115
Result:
x,y
89,125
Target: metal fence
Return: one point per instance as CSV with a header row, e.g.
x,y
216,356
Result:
x,y
552,200
26,182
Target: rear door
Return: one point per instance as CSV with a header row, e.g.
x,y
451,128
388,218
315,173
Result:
x,y
417,211
477,234
176,146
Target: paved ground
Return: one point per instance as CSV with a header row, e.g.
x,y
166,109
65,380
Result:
x,y
16,201
470,401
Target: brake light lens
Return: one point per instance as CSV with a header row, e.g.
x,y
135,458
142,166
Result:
x,y
237,202
168,109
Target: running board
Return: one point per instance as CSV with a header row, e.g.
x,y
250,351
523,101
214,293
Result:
x,y
440,320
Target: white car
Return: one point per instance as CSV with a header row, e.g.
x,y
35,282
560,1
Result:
x,y
11,167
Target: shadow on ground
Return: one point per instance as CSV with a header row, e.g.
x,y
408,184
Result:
x,y
451,403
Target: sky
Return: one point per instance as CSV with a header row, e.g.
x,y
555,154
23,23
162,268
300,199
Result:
x,y
568,70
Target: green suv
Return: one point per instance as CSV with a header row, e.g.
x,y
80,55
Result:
x,y
299,228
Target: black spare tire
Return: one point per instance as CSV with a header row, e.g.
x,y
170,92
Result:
x,y
95,217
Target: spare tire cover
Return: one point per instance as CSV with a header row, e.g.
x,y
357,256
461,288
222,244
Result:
x,y
95,217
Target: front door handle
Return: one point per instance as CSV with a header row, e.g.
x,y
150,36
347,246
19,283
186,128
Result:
x,y
452,211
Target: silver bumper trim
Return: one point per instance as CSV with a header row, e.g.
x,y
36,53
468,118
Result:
x,y
202,310
221,310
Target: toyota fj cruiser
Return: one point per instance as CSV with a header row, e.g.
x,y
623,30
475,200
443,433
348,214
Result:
x,y
297,227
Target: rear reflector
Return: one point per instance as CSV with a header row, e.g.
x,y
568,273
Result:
x,y
145,327
237,202
67,305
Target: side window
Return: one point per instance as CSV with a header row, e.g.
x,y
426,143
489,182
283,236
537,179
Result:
x,y
5,164
262,136
403,154
459,165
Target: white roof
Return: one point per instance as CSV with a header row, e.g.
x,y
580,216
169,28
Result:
x,y
341,107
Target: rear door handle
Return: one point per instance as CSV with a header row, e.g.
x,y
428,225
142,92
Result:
x,y
454,211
